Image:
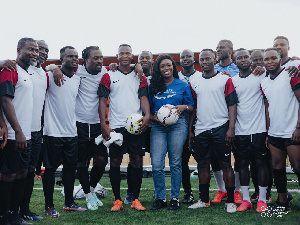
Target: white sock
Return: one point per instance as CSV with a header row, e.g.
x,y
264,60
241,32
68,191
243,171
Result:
x,y
237,181
262,193
88,196
245,191
92,189
219,180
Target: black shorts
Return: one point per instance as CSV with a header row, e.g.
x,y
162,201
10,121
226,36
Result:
x,y
12,158
211,144
281,143
246,145
60,150
132,144
147,139
36,145
86,141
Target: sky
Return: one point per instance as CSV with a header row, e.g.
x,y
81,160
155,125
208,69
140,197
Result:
x,y
160,26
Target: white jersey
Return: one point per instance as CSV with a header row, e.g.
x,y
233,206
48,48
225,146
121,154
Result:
x,y
87,102
187,79
251,118
39,80
59,114
283,105
18,85
290,62
214,95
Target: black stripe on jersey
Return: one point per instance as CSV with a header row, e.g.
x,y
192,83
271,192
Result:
x,y
231,98
286,61
103,91
297,86
7,88
143,91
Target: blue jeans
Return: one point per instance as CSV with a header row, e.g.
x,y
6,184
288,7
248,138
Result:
x,y
162,140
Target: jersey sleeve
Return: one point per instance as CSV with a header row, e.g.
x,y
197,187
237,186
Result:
x,y
8,82
187,96
104,87
143,88
295,83
230,93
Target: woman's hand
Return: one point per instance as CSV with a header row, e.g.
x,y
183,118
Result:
x,y
156,120
180,109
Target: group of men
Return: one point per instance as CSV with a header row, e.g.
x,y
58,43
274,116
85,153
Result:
x,y
238,109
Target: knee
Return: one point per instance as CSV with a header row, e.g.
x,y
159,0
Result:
x,y
277,164
116,162
100,161
225,166
82,164
202,165
8,177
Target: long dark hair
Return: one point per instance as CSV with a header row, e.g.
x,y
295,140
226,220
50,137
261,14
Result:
x,y
157,83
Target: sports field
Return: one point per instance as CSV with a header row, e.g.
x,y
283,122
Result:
x,y
213,215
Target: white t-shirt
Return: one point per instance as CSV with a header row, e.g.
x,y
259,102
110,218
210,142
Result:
x,y
251,118
190,78
290,62
59,114
283,105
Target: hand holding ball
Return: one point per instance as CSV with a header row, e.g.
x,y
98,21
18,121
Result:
x,y
167,114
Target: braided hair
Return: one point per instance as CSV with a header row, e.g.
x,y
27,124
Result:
x,y
86,53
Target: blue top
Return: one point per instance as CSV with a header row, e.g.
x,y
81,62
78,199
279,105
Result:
x,y
232,69
177,93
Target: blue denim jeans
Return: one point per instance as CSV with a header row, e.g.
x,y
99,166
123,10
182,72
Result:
x,y
162,140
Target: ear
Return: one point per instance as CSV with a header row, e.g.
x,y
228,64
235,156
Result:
x,y
18,50
289,48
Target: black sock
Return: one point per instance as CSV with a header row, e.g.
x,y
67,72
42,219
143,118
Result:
x,y
16,194
68,178
115,180
24,207
136,180
230,194
129,178
280,180
96,174
48,186
204,192
5,189
83,175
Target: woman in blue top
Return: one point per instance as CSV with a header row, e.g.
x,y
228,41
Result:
x,y
166,88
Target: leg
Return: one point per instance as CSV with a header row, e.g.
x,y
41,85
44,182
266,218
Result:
x,y
136,174
115,176
294,157
204,179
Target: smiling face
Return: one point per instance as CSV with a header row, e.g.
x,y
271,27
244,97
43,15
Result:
x,y
146,60
94,62
70,58
206,61
166,68
28,54
272,61
125,56
242,60
43,52
257,59
187,59
283,46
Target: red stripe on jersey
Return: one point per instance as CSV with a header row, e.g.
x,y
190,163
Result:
x,y
144,83
47,79
294,81
262,91
193,92
107,67
229,87
106,81
6,75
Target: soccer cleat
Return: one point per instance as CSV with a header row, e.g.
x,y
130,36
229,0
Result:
x,y
254,197
174,204
199,204
91,204
31,216
244,206
21,222
118,205
219,196
230,207
129,198
261,206
280,208
51,212
159,204
237,197
136,204
289,196
268,198
74,207
188,198
97,200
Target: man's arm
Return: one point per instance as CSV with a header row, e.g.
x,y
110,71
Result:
x,y
57,74
3,134
8,65
232,118
192,119
146,109
102,113
296,134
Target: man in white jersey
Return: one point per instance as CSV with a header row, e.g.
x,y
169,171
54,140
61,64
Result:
x,y
282,96
17,104
216,100
250,130
61,133
126,96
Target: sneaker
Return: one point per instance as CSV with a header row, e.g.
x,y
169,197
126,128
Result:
x,y
136,204
74,207
237,197
51,212
22,222
199,204
261,206
91,204
219,196
174,204
289,196
159,204
118,205
268,198
97,200
244,206
31,216
254,197
14,219
230,207
188,198
280,208
129,198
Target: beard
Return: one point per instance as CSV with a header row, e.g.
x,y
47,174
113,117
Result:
x,y
187,67
274,70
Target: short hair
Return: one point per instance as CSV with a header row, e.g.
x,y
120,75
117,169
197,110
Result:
x,y
273,49
62,50
228,42
147,52
282,37
207,50
238,50
86,52
257,52
22,42
125,45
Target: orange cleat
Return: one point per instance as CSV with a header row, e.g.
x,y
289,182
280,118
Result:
x,y
136,204
237,197
219,196
244,206
118,205
261,206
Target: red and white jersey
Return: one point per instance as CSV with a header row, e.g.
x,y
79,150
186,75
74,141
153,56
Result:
x,y
290,62
251,118
40,81
124,92
214,95
187,79
87,102
283,104
59,113
18,85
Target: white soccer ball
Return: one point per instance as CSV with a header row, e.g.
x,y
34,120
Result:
x,y
132,126
167,115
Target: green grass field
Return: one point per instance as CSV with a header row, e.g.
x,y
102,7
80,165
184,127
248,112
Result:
x,y
213,215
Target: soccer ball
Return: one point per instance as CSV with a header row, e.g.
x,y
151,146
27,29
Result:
x,y
167,115
132,126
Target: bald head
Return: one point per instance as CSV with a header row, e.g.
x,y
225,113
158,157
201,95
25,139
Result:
x,y
257,58
187,59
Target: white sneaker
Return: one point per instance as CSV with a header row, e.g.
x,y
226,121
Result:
x,y
230,207
199,204
99,203
91,204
